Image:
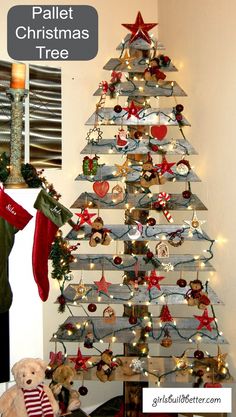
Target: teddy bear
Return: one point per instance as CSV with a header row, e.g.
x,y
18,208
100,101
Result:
x,y
149,175
195,296
99,234
29,397
61,386
153,73
106,366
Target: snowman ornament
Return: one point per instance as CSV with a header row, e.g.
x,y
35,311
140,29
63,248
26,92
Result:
x,y
121,140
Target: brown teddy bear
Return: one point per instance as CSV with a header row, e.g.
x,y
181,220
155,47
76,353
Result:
x,y
106,366
29,397
195,296
153,73
149,175
99,233
61,386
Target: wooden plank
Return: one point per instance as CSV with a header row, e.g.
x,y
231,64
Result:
x,y
147,117
160,231
169,146
183,330
107,172
137,65
142,202
147,89
121,293
140,44
97,262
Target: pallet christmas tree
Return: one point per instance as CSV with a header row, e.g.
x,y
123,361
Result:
x,y
152,159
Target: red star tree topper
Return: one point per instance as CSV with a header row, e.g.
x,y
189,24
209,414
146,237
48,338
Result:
x,y
205,321
85,217
153,280
132,110
139,29
80,361
102,285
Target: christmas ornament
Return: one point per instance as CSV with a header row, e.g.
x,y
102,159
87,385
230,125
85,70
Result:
x,y
135,231
117,108
179,108
220,358
133,110
212,385
205,321
101,188
99,234
149,175
153,72
195,224
80,361
200,373
138,134
117,194
182,363
181,282
133,319
198,354
102,285
162,250
155,148
117,260
104,86
81,289
123,170
149,255
187,193
85,217
166,166
166,341
168,267
176,239
121,140
151,221
90,165
94,135
109,315
148,329
89,340
137,365
164,60
49,217
162,201
165,315
126,59
159,132
183,167
153,280
116,76
56,359
92,307
139,29
83,390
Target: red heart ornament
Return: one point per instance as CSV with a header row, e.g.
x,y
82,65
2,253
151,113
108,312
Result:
x,y
101,188
159,132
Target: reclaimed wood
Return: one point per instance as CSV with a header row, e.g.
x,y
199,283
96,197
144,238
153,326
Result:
x,y
97,262
138,66
147,89
169,146
123,330
171,294
160,231
142,202
140,44
108,172
148,117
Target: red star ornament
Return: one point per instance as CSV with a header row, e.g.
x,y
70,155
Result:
x,y
166,166
204,320
132,110
80,361
102,285
85,217
139,29
153,280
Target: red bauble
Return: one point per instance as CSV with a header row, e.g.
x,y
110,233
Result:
x,y
92,307
166,59
112,88
117,260
149,254
179,108
83,390
138,134
186,194
212,385
147,329
154,148
117,108
133,319
178,117
61,300
199,354
151,221
181,282
200,373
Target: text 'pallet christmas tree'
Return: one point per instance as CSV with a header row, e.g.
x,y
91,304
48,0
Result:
x,y
146,138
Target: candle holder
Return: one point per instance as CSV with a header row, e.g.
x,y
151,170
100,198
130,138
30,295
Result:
x,y
17,97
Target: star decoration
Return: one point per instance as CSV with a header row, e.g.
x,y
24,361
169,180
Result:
x,y
123,170
139,29
80,361
168,267
195,224
126,59
182,363
132,110
102,285
80,289
85,217
153,280
165,166
220,358
205,321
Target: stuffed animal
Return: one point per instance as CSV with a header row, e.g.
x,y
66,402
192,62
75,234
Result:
x,y
153,73
149,175
61,386
195,296
29,397
106,366
99,234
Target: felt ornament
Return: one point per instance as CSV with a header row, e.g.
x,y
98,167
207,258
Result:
x,y
101,188
166,166
109,315
204,321
102,285
159,132
195,223
90,165
123,170
85,217
121,140
133,110
117,193
49,217
165,315
162,250
139,29
154,280
99,234
80,361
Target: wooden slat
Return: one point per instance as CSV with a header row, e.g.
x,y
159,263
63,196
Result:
x,y
153,116
137,66
107,172
140,44
147,89
142,202
180,262
171,294
169,146
123,330
120,232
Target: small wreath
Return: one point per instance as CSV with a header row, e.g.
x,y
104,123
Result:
x,y
176,239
